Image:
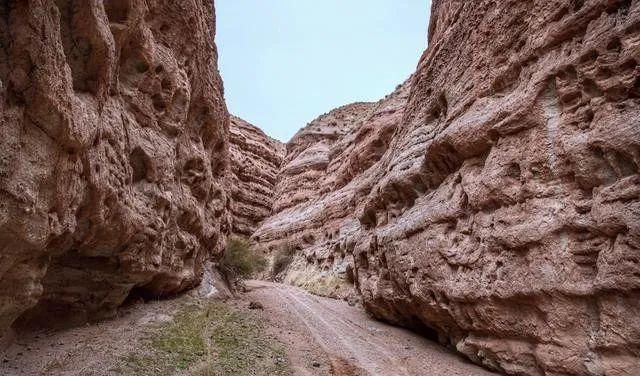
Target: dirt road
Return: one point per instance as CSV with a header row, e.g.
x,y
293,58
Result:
x,y
320,336
326,336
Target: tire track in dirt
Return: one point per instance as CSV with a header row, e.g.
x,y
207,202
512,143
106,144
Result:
x,y
371,345
355,343
368,356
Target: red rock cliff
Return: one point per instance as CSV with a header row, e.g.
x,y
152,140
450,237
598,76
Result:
x,y
255,162
321,184
499,205
113,152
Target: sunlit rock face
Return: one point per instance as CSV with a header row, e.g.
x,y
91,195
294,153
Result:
x,y
497,199
113,153
255,162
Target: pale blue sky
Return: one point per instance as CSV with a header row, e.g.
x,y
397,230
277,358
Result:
x,y
285,62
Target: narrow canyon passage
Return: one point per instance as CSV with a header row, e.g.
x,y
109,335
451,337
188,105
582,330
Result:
x,y
491,199
316,335
354,343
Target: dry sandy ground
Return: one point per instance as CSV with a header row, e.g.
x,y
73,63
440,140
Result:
x,y
343,340
86,350
322,337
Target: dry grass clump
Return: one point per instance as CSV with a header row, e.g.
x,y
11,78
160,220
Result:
x,y
240,261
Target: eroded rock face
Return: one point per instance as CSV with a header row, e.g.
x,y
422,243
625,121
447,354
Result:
x,y
319,188
255,161
113,153
504,209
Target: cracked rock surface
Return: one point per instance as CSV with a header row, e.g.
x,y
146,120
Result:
x,y
113,153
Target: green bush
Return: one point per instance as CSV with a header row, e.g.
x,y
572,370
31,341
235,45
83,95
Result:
x,y
283,259
240,261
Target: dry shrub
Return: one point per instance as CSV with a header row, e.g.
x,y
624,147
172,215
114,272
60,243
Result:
x,y
240,261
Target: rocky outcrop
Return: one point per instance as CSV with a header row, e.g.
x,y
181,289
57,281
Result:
x,y
113,153
255,162
319,189
498,207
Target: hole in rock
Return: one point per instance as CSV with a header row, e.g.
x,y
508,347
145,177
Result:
x,y
363,261
443,103
577,5
569,73
614,45
158,103
138,295
589,115
590,57
139,162
77,289
604,73
418,326
619,6
142,66
435,112
117,10
624,164
591,89
513,171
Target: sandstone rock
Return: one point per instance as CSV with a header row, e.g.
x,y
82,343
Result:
x,y
255,163
113,153
499,205
317,193
492,201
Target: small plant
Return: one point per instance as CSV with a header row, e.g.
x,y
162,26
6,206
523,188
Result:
x,y
283,259
240,261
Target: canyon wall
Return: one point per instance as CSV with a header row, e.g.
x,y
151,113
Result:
x,y
492,200
496,203
255,162
318,191
113,154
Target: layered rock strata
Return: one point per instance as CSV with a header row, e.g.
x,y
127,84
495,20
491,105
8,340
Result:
x,y
501,210
113,153
318,191
255,162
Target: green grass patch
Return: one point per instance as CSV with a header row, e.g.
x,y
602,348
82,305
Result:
x,y
209,339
